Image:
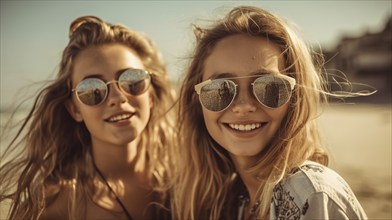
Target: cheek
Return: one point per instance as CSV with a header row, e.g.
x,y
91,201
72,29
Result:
x,y
91,114
92,118
279,114
208,117
211,121
146,104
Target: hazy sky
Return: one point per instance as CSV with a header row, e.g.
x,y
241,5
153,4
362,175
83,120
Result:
x,y
34,33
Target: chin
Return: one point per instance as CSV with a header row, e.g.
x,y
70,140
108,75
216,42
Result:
x,y
245,152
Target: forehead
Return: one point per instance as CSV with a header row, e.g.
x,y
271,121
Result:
x,y
241,55
105,60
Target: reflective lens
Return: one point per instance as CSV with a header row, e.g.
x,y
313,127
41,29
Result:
x,y
217,95
270,90
134,82
93,91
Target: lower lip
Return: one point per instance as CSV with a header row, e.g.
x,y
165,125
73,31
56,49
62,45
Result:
x,y
246,134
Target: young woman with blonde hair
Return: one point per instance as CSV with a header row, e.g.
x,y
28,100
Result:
x,y
95,143
250,146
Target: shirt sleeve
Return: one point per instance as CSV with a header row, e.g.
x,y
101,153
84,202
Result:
x,y
321,206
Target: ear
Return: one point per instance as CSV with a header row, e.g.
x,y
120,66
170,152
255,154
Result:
x,y
73,110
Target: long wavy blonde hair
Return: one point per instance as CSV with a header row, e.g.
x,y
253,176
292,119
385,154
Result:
x,y
56,148
204,184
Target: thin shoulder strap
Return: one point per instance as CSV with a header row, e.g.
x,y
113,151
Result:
x,y
115,195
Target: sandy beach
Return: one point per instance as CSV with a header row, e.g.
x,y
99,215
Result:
x,y
358,137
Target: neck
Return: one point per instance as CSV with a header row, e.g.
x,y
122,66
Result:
x,y
116,161
252,183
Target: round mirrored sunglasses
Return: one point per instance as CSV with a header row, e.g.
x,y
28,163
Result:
x,y
93,91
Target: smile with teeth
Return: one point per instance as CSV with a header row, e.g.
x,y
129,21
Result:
x,y
119,117
245,127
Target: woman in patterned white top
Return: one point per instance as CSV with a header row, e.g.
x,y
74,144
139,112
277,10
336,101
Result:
x,y
252,150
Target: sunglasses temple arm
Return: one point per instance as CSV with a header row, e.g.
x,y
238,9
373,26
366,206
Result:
x,y
200,85
292,82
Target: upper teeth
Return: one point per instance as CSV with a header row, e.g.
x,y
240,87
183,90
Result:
x,y
119,117
243,127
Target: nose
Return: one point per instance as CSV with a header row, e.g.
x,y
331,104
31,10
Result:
x,y
115,96
244,102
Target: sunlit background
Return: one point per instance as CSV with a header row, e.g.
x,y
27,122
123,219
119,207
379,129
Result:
x,y
34,33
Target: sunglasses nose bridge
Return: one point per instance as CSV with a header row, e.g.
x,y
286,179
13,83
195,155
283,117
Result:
x,y
116,82
244,91
111,82
244,100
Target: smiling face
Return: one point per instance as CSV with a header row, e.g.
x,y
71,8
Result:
x,y
246,127
121,118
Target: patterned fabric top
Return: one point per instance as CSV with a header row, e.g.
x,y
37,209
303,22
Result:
x,y
314,191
